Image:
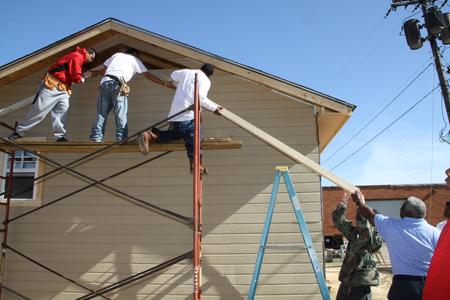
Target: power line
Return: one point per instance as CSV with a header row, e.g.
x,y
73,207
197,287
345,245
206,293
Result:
x,y
364,59
444,135
380,112
431,137
386,128
380,66
350,59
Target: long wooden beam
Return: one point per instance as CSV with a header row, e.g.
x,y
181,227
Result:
x,y
16,106
84,147
286,150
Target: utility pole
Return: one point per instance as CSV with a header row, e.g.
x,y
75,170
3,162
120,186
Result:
x,y
438,63
425,5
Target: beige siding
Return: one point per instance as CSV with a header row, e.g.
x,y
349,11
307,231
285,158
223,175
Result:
x,y
97,238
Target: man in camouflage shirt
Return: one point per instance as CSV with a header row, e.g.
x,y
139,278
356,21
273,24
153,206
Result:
x,y
358,272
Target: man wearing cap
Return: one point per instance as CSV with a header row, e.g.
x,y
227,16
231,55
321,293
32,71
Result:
x,y
411,242
54,93
358,272
182,126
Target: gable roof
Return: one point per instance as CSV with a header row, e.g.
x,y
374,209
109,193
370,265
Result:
x,y
108,34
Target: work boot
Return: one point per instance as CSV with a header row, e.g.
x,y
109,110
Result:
x,y
14,136
203,170
144,141
62,139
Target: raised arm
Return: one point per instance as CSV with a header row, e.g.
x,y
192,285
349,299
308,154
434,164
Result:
x,y
100,70
365,210
342,224
155,79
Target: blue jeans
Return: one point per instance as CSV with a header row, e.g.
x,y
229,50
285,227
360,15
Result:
x,y
180,130
110,99
405,287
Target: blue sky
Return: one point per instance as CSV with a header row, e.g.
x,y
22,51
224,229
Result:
x,y
346,49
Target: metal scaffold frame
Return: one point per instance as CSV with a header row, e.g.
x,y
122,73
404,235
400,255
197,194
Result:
x,y
195,221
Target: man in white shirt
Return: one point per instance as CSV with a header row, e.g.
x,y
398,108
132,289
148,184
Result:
x,y
182,126
442,224
118,71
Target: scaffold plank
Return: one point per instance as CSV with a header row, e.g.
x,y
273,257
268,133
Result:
x,y
85,147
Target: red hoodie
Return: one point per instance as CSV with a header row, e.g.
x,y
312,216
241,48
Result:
x,y
75,61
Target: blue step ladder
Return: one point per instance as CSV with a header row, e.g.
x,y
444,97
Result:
x,y
283,171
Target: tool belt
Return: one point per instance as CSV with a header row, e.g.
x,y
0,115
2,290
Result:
x,y
124,87
51,82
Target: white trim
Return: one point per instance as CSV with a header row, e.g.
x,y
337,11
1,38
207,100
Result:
x,y
6,169
38,171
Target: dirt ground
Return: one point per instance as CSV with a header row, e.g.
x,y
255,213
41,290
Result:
x,y
378,292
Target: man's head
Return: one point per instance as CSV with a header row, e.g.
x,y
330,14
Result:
x,y
413,207
447,210
90,55
208,69
132,51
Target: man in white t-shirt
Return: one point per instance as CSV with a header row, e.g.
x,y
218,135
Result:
x,y
182,125
442,224
117,70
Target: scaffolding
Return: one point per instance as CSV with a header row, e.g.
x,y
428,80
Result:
x,y
10,147
195,222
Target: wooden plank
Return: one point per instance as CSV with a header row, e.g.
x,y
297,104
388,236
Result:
x,y
16,106
286,150
84,147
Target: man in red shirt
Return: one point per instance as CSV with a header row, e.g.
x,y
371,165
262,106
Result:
x,y
54,93
436,285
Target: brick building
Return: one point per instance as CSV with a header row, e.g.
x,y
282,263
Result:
x,y
387,199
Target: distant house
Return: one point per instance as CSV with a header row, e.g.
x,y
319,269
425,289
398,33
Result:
x,y
96,239
387,199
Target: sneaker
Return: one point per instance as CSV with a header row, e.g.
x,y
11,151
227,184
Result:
x,y
14,136
62,139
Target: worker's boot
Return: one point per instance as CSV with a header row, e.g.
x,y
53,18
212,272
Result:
x,y
14,136
145,139
203,170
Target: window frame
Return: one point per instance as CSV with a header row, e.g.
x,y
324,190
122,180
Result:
x,y
38,171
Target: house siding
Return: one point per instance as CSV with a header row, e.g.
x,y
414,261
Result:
x,y
96,238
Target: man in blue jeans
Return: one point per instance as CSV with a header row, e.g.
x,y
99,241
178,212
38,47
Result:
x,y
182,126
118,71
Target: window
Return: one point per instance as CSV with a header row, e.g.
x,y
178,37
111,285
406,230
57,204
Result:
x,y
388,207
26,168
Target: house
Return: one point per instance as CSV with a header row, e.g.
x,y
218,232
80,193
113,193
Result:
x,y
387,199
98,240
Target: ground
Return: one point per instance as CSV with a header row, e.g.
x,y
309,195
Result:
x,y
378,292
